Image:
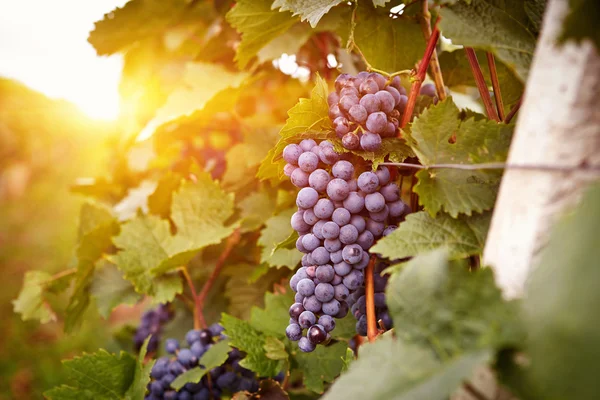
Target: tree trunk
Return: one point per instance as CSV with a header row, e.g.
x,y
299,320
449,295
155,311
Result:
x,y
558,125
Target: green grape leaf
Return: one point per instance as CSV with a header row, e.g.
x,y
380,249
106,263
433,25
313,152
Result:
x,y
388,44
391,369
392,149
308,118
581,22
308,10
275,349
31,303
380,3
450,309
535,12
100,375
560,303
273,318
255,209
452,190
277,229
348,359
109,289
258,24
322,365
141,376
421,233
215,356
251,341
457,72
485,26
159,202
289,43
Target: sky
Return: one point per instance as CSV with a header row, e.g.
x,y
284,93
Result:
x,y
44,45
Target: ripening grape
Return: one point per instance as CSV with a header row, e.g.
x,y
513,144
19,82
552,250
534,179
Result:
x,y
370,141
151,324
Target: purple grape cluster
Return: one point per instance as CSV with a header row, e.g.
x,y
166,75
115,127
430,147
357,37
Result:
x,y
340,215
357,302
151,323
366,107
229,377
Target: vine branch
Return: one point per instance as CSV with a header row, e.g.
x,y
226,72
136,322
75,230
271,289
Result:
x,y
513,111
372,331
434,64
495,84
481,85
474,167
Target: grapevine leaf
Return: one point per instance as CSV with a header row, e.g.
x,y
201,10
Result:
x,y
277,229
308,118
582,22
249,340
258,24
535,12
380,3
109,289
268,390
273,318
388,44
391,369
215,356
322,365
30,303
457,191
308,10
420,233
348,359
485,26
560,326
275,349
100,375
392,149
445,306
255,209
141,377
289,43
159,202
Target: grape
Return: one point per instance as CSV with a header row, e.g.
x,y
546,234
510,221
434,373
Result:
x,y
327,322
390,192
342,268
380,216
198,349
376,122
293,332
354,203
151,324
341,216
311,271
325,273
336,280
332,307
306,319
368,182
329,156
369,86
156,387
374,202
380,79
332,245
297,222
383,173
159,369
289,169
334,111
187,358
386,101
337,189
395,94
309,217
306,261
389,229
353,280
390,130
348,234
363,262
341,126
308,197
336,256
361,326
307,144
402,103
428,89
296,309
324,292
370,141
350,141
318,180
359,223
308,161
170,395
316,334
320,256
343,170
298,298
347,101
324,208
340,292
352,254
171,346
349,90
330,230
332,98
357,113
291,153
365,241
306,287
312,304
370,103
299,178
317,229
376,228
397,208
341,81
305,345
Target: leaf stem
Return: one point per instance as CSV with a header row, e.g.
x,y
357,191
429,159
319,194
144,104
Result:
x,y
198,316
420,76
60,274
372,331
495,84
434,64
513,111
481,85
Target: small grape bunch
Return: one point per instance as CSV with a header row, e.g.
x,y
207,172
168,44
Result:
x,y
366,107
152,323
230,377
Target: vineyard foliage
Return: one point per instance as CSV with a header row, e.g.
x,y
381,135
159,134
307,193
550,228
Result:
x,y
194,208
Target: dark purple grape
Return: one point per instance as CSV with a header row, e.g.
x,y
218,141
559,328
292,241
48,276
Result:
x,y
376,228
402,103
305,345
340,292
171,346
307,319
428,89
332,307
311,304
296,309
327,322
397,208
365,241
353,280
316,334
293,332
320,256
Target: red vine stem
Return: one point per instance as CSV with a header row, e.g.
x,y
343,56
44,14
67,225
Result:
x,y
434,64
372,331
495,84
513,111
481,85
420,76
199,321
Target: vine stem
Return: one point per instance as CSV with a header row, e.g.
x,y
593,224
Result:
x,y
372,331
420,76
495,84
474,167
199,321
61,274
434,64
481,85
513,111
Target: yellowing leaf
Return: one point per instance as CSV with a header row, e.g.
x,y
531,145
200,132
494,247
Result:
x,y
308,10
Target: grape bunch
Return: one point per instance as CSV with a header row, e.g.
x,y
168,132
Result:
x,y
151,323
357,302
339,217
230,377
366,107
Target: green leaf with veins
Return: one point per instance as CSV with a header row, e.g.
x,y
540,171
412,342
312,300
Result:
x,y
109,289
215,356
392,149
255,209
274,317
277,229
31,303
141,376
322,365
581,22
308,10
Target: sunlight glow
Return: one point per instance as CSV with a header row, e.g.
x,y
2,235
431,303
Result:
x,y
288,65
44,45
